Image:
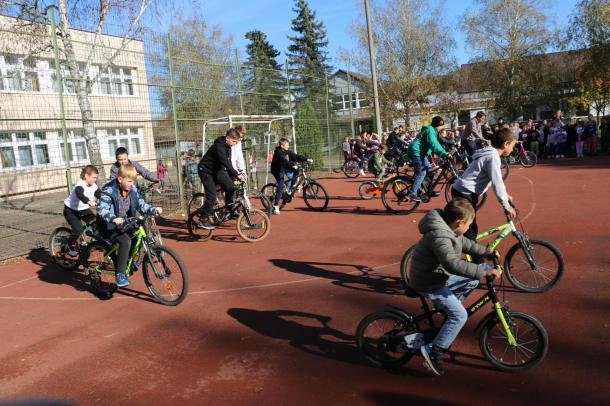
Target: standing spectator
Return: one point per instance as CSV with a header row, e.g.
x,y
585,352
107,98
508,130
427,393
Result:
x,y
562,138
591,134
534,141
604,129
546,129
161,171
346,147
361,151
473,136
551,143
580,139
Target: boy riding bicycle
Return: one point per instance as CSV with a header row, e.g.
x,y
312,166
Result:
x,y
283,166
122,158
439,272
378,163
77,205
120,200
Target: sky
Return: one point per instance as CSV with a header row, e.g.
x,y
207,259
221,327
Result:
x,y
273,17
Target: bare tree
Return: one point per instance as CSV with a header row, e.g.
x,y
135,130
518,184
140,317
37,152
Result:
x,y
413,47
503,34
93,15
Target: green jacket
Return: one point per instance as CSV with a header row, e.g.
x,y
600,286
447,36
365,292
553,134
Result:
x,y
426,143
378,162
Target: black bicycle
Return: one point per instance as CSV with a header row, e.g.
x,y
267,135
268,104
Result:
x,y
511,341
314,194
252,224
394,194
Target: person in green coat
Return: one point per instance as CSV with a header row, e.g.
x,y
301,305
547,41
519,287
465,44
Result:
x,y
378,162
424,144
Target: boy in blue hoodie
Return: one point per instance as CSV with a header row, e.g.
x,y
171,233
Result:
x,y
121,200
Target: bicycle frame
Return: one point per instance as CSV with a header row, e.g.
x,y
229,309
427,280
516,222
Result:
x,y
504,230
138,236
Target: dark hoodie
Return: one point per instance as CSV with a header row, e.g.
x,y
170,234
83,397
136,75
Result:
x,y
439,254
217,158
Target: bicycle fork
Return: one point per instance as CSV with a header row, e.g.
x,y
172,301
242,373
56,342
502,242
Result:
x,y
507,330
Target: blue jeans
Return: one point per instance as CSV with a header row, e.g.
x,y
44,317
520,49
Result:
x,y
421,166
449,298
279,177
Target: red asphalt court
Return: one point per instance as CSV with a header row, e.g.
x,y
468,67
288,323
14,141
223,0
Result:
x,y
273,323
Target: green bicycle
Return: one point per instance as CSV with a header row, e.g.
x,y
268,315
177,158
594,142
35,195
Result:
x,y
511,341
164,271
531,265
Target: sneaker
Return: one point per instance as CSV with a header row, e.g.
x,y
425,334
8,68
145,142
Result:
x,y
361,172
414,198
72,251
134,267
121,280
434,193
205,224
433,359
276,209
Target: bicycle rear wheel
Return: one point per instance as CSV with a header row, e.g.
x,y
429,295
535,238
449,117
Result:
x,y
530,335
368,190
100,269
505,167
165,275
405,264
380,338
195,203
58,246
192,225
394,195
269,192
528,159
253,225
351,168
540,275
315,196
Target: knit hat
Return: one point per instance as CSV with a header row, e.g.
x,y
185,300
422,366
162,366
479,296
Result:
x,y
437,121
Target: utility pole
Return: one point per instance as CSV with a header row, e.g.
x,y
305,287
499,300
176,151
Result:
x,y
369,30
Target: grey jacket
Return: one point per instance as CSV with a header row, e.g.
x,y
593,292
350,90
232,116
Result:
x,y
145,173
439,254
484,169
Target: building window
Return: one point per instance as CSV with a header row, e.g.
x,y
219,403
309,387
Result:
x,y
7,155
128,138
42,154
25,155
117,81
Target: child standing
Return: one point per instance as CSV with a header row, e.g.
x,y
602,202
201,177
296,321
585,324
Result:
x,y
77,205
439,272
161,171
562,139
580,139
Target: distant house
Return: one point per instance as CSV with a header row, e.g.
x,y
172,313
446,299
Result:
x,y
343,84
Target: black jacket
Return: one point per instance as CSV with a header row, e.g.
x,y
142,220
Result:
x,y
284,160
217,158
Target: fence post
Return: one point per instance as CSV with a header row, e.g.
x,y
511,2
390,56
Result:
x,y
290,103
241,101
60,93
174,114
351,110
330,165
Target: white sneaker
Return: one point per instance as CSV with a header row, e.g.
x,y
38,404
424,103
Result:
x,y
276,209
361,173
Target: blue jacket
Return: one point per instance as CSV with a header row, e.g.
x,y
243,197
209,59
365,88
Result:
x,y
108,206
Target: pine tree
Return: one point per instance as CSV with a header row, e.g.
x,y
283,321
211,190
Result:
x,y
309,133
263,77
306,54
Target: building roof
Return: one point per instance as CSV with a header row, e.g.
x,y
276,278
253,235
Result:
x,y
355,75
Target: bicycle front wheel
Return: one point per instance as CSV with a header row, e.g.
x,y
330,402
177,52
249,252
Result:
x,y
315,196
380,338
528,159
253,225
165,275
394,195
536,268
532,342
58,246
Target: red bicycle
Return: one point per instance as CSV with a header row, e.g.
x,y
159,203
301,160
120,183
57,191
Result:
x,y
527,159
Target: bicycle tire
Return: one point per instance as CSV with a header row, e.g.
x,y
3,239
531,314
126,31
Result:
x,y
200,234
58,243
493,336
364,190
162,254
505,167
269,191
195,202
448,197
101,284
379,351
351,169
405,265
528,160
311,194
393,195
243,226
520,279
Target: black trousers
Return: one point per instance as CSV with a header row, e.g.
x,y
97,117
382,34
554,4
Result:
x,y
473,230
209,182
74,217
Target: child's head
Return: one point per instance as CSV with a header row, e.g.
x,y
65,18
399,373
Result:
x,y
241,130
383,148
122,156
438,123
232,137
284,144
458,214
127,176
89,174
160,163
504,141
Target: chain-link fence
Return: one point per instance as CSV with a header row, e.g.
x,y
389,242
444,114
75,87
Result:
x,y
60,107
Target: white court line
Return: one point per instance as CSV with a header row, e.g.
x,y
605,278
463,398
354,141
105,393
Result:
x,y
200,292
15,283
531,183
